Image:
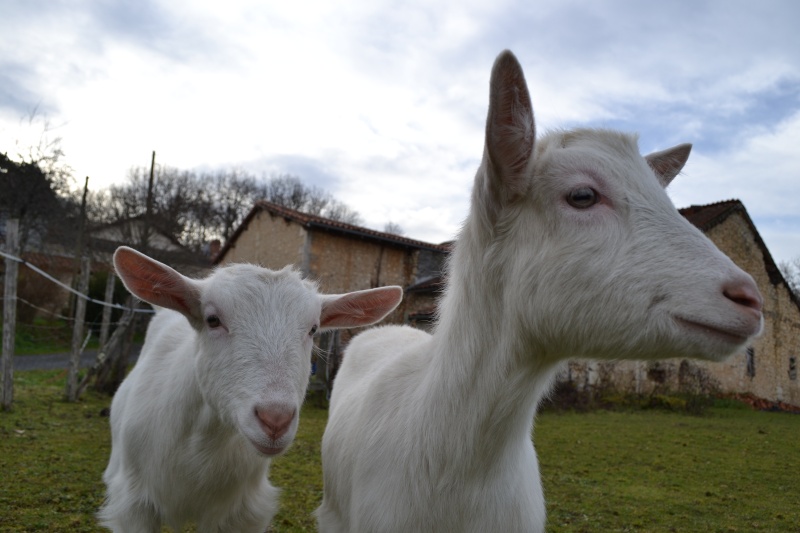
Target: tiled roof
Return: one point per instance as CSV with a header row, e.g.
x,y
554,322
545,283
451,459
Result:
x,y
705,217
326,224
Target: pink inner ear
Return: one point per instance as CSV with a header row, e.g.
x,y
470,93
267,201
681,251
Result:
x,y
514,132
510,126
667,164
154,282
359,308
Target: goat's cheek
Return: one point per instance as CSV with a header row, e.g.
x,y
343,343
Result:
x,y
217,337
592,218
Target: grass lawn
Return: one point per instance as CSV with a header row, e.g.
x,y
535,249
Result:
x,y
732,469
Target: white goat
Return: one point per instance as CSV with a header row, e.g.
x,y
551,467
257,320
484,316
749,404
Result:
x,y
571,249
216,392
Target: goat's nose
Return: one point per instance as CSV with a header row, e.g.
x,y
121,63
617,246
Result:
x,y
745,293
275,421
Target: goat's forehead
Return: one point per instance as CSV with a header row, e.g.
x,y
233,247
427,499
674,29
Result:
x,y
244,283
613,156
585,146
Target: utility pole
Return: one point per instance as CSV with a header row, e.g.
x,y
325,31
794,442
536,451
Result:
x,y
79,246
148,217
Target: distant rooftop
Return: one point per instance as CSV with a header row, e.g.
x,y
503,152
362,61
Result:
x,y
327,224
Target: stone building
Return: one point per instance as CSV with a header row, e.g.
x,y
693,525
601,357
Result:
x,y
766,369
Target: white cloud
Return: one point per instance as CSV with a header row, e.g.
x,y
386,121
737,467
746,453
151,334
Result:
x,y
384,104
762,171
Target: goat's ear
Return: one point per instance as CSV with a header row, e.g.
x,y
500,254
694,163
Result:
x,y
156,283
668,163
510,133
359,308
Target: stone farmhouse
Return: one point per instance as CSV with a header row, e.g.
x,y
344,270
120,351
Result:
x,y
344,257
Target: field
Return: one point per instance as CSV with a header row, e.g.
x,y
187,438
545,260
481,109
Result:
x,y
731,469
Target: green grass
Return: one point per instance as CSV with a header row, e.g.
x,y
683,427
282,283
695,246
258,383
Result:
x,y
51,457
46,337
42,337
731,469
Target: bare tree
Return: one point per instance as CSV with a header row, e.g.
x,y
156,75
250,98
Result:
x,y
233,192
45,151
36,183
791,272
337,210
196,208
182,206
393,228
30,195
289,191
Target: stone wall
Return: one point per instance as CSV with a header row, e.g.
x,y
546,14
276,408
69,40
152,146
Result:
x,y
270,241
342,264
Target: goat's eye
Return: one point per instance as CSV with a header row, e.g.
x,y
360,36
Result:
x,y
213,321
313,330
582,198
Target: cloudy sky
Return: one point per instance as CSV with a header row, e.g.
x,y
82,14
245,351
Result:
x,y
383,103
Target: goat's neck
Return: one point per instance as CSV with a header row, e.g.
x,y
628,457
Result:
x,y
485,375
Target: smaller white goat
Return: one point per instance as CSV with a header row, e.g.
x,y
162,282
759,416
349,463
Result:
x,y
572,248
216,392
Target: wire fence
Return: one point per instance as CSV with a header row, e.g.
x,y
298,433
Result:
x,y
54,329
68,288
70,319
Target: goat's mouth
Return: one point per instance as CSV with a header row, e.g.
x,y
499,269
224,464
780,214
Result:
x,y
735,336
269,451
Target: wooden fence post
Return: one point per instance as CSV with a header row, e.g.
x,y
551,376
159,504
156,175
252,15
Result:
x,y
106,325
107,354
77,332
9,314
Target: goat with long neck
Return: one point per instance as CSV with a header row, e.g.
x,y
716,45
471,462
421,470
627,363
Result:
x,y
571,249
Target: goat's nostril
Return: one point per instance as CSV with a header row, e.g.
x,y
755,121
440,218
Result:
x,y
275,421
744,294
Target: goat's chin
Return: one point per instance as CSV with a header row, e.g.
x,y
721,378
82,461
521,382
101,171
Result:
x,y
718,342
269,451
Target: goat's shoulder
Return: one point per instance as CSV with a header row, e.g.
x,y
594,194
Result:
x,y
385,338
379,346
164,372
167,320
380,359
168,332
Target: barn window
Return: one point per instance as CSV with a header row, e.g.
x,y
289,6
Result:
x,y
751,362
793,368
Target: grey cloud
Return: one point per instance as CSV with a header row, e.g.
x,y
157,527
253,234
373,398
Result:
x,y
147,25
312,172
15,92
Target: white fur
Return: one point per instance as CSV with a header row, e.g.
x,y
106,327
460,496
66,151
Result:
x,y
433,433
211,400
